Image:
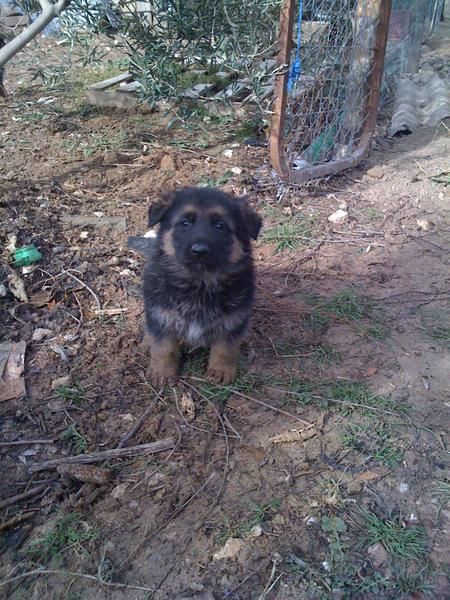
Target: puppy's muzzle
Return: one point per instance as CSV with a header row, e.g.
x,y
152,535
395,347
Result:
x,y
200,251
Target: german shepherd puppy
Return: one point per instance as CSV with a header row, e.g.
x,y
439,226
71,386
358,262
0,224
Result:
x,y
199,280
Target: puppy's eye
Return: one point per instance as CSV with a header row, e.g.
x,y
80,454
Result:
x,y
220,225
185,223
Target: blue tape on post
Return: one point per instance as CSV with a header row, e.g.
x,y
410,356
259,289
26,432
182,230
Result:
x,y
296,67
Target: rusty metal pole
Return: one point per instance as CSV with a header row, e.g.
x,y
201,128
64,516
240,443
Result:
x,y
276,139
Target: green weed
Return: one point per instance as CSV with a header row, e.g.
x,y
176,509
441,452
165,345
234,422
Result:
x,y
325,354
441,334
347,305
73,393
257,516
374,439
210,182
353,395
68,533
78,442
289,235
400,542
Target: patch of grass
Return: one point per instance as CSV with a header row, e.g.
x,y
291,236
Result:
x,y
348,305
257,516
355,394
442,178
376,331
73,393
210,182
316,321
73,436
68,533
400,542
375,439
289,235
325,355
441,335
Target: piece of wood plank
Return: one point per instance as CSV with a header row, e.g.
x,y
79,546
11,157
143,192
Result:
x,y
107,83
235,91
152,448
129,88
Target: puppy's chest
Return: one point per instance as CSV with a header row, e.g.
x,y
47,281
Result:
x,y
196,318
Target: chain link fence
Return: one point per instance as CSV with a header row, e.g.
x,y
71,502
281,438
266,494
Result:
x,y
326,99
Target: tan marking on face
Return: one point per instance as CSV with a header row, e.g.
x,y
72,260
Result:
x,y
167,243
237,251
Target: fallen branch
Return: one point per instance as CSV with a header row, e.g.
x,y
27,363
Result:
x,y
25,443
23,496
97,579
14,520
152,448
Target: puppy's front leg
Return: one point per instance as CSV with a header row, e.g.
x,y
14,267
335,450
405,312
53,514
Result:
x,y
222,366
163,360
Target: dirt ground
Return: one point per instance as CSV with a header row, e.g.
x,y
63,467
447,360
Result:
x,y
323,472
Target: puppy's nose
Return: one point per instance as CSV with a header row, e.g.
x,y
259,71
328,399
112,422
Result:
x,y
200,249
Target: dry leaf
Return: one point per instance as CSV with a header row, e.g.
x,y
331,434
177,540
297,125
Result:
x,y
293,435
187,406
369,475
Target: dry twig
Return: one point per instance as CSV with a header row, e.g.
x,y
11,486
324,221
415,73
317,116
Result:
x,y
160,446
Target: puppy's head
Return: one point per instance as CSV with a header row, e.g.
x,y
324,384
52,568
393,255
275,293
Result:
x,y
205,229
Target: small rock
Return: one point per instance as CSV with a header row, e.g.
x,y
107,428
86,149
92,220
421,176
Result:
x,y
378,555
278,520
236,170
113,261
40,333
3,291
354,488
255,531
61,382
340,216
167,163
84,267
403,488
310,520
228,153
84,235
231,549
423,224
376,172
119,491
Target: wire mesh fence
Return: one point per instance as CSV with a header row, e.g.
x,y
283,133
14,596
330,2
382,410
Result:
x,y
326,101
411,22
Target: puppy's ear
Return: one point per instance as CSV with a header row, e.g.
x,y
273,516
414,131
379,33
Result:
x,y
252,220
157,211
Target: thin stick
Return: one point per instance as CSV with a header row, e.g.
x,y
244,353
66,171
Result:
x,y
74,574
15,520
136,426
261,402
25,443
151,448
23,496
85,285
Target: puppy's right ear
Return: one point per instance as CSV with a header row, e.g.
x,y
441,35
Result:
x,y
157,211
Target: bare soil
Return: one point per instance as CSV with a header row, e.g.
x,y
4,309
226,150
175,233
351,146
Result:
x,y
350,335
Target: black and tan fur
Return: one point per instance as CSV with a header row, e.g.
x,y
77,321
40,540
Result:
x,y
199,280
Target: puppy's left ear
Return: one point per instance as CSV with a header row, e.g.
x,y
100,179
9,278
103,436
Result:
x,y
157,211
251,218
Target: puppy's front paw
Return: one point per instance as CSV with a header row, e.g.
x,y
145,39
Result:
x,y
224,374
162,375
